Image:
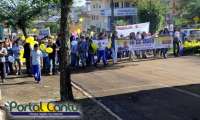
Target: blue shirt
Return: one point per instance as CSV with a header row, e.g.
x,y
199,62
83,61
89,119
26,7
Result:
x,y
74,47
83,46
16,51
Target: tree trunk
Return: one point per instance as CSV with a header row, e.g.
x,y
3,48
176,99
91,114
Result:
x,y
65,75
24,31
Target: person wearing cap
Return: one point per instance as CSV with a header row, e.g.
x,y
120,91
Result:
x,y
3,53
36,60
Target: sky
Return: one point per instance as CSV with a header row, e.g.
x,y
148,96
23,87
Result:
x,y
79,2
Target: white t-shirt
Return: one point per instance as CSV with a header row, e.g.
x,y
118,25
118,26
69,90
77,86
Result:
x,y
177,34
102,44
2,58
36,57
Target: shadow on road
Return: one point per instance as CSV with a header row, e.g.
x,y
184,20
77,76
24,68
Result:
x,y
157,104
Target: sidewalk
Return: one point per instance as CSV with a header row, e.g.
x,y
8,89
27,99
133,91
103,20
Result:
x,y
24,90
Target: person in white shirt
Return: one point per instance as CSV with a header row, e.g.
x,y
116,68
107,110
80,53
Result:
x,y
176,43
101,51
131,47
3,53
36,60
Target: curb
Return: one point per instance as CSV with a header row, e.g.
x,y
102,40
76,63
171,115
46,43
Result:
x,y
90,96
2,113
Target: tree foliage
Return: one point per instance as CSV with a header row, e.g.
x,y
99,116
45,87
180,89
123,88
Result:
x,y
152,11
20,13
189,9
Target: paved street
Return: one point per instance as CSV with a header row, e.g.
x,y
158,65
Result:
x,y
24,90
148,90
164,89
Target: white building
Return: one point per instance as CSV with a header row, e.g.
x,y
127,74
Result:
x,y
99,14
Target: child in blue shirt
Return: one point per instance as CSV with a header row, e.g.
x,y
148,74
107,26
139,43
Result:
x,y
36,60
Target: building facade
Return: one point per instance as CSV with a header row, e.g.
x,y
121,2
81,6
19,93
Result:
x,y
99,14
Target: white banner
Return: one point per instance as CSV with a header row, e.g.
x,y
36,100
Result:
x,y
145,44
101,44
124,31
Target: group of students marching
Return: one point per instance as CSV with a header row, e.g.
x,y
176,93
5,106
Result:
x,y
84,52
36,59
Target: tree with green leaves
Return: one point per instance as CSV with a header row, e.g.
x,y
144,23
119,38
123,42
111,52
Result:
x,y
152,11
187,10
19,14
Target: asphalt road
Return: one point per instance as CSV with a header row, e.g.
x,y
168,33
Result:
x,y
164,89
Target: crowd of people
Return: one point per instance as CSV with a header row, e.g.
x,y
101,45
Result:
x,y
13,51
84,52
40,61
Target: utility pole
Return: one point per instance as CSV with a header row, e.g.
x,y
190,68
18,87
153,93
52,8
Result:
x,y
112,28
112,16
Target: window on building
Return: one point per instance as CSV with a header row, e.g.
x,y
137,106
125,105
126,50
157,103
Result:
x,y
93,6
93,17
122,5
99,6
116,4
127,4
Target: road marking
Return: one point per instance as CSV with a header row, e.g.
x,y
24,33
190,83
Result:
x,y
182,91
115,115
96,101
